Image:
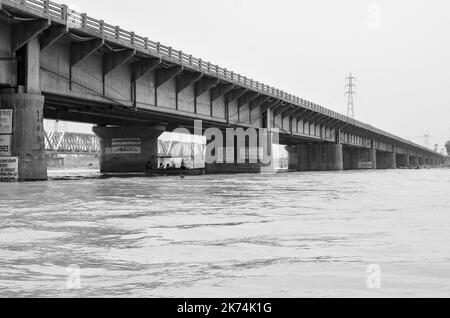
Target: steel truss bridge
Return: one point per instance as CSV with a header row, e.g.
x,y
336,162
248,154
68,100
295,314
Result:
x,y
70,143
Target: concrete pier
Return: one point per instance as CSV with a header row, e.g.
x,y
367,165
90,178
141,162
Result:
x,y
293,157
128,149
27,138
403,160
315,157
355,159
386,160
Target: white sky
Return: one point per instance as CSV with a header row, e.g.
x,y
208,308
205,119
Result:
x,y
399,51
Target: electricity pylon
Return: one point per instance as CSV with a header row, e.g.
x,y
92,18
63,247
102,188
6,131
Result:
x,y
350,86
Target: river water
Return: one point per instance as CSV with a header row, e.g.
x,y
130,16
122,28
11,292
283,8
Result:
x,y
282,235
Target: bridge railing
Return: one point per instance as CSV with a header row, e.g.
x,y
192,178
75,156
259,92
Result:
x,y
81,21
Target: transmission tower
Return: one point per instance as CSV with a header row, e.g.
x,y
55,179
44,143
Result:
x,y
426,139
350,92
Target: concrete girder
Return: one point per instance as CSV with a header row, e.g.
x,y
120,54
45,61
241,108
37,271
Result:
x,y
270,105
324,120
258,102
289,113
351,129
330,123
341,125
280,109
317,119
220,90
204,85
24,32
162,75
113,60
247,98
306,115
234,94
366,134
81,50
187,79
53,34
309,117
143,67
299,113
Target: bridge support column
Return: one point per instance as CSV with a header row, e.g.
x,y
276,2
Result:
x,y
293,157
27,135
413,161
421,161
386,160
302,157
319,157
355,159
402,160
128,149
407,161
243,158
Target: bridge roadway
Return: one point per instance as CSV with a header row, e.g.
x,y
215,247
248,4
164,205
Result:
x,y
59,64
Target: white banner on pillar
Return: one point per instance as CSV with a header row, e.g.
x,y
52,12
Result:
x,y
365,165
9,169
225,155
6,118
5,145
126,146
251,153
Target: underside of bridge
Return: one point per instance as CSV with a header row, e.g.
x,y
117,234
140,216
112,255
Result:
x,y
58,64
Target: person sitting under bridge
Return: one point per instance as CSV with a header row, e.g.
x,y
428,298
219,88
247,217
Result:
x,y
148,167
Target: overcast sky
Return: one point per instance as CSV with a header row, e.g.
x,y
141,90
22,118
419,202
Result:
x,y
399,51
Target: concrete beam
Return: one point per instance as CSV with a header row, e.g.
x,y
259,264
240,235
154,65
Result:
x,y
235,94
24,32
247,98
270,105
143,67
307,115
341,126
53,34
299,113
81,50
314,117
163,75
113,60
280,109
187,79
289,113
258,102
220,90
204,85
323,120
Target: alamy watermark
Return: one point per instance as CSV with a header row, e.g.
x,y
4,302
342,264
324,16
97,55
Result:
x,y
73,277
374,17
374,276
235,145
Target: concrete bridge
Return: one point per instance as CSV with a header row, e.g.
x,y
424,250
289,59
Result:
x,y
56,63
